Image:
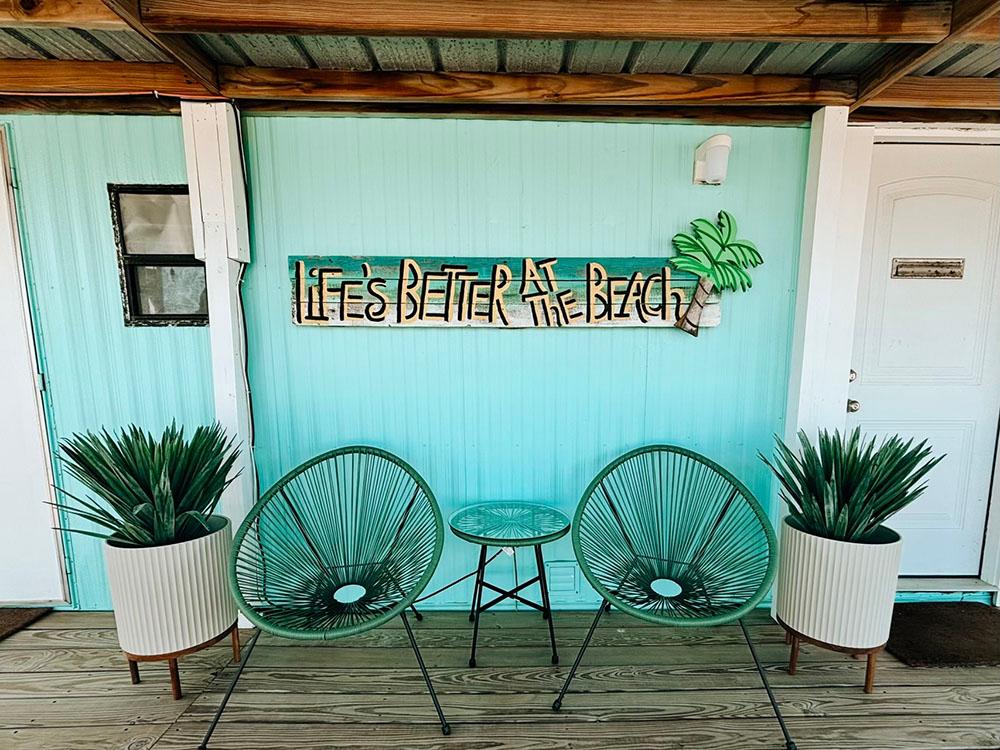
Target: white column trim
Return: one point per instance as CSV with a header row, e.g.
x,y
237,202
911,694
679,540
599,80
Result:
x,y
818,370
219,219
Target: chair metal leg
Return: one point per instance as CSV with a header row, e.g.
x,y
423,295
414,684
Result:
x,y
477,602
229,692
789,744
416,614
605,607
546,604
445,727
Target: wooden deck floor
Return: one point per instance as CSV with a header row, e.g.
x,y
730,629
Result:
x,y
64,686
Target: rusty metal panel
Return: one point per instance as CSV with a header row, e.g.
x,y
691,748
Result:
x,y
476,55
587,56
533,55
129,46
664,57
336,52
12,46
402,53
789,59
65,44
726,57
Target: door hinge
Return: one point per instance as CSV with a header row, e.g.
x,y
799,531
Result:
x,y
42,382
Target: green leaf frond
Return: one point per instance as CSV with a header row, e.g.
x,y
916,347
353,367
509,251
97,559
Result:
x,y
149,490
714,251
846,486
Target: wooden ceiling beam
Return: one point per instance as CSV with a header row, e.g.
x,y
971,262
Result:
x,y
73,78
987,32
967,15
481,93
60,14
179,49
917,21
543,88
940,92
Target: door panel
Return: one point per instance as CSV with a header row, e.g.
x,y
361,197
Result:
x,y
927,350
30,556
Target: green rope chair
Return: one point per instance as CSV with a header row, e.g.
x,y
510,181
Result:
x,y
668,536
338,546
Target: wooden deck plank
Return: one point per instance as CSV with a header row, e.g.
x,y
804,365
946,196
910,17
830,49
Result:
x,y
99,712
335,656
843,672
640,686
677,735
107,684
303,708
94,659
81,638
483,708
84,738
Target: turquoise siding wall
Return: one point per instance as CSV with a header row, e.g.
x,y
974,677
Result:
x,y
99,372
531,414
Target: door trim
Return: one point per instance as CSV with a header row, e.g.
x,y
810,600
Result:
x,y
10,242
835,341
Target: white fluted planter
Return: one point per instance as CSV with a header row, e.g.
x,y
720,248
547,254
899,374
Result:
x,y
838,593
174,597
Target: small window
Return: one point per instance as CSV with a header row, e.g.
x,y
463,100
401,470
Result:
x,y
162,282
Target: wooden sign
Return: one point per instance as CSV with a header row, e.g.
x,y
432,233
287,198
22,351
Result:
x,y
495,292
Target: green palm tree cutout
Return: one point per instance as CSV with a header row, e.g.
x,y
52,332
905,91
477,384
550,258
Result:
x,y
718,258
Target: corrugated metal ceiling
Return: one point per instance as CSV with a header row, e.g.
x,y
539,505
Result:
x,y
491,55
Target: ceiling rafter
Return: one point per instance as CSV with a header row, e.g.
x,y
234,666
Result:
x,y
176,47
966,15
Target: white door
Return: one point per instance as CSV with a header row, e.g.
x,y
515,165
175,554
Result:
x,y
30,557
927,349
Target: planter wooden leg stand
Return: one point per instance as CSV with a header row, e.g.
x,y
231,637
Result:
x,y
175,678
796,639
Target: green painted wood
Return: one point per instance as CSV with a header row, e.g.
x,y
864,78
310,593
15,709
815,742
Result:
x,y
498,292
529,414
99,373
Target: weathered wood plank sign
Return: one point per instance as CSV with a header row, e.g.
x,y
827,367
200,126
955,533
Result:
x,y
681,291
498,292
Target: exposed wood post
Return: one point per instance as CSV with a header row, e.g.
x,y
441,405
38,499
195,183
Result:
x,y
221,238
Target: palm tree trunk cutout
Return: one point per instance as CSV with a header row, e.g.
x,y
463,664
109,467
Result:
x,y
691,318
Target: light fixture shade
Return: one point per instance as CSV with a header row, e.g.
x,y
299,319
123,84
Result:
x,y
711,160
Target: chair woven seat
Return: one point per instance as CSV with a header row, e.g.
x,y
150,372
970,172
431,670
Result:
x,y
669,536
338,546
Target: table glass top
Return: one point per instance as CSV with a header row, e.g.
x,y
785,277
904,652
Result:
x,y
509,523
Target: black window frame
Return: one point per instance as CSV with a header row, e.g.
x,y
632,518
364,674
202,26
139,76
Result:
x,y
128,263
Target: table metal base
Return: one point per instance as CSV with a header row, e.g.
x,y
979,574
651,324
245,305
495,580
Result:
x,y
482,584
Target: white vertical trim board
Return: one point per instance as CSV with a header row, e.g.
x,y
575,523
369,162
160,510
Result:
x,y
31,562
219,219
822,339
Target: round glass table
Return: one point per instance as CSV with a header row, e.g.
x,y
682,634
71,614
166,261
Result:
x,y
509,523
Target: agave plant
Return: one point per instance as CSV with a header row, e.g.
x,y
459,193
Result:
x,y
850,486
720,260
154,490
